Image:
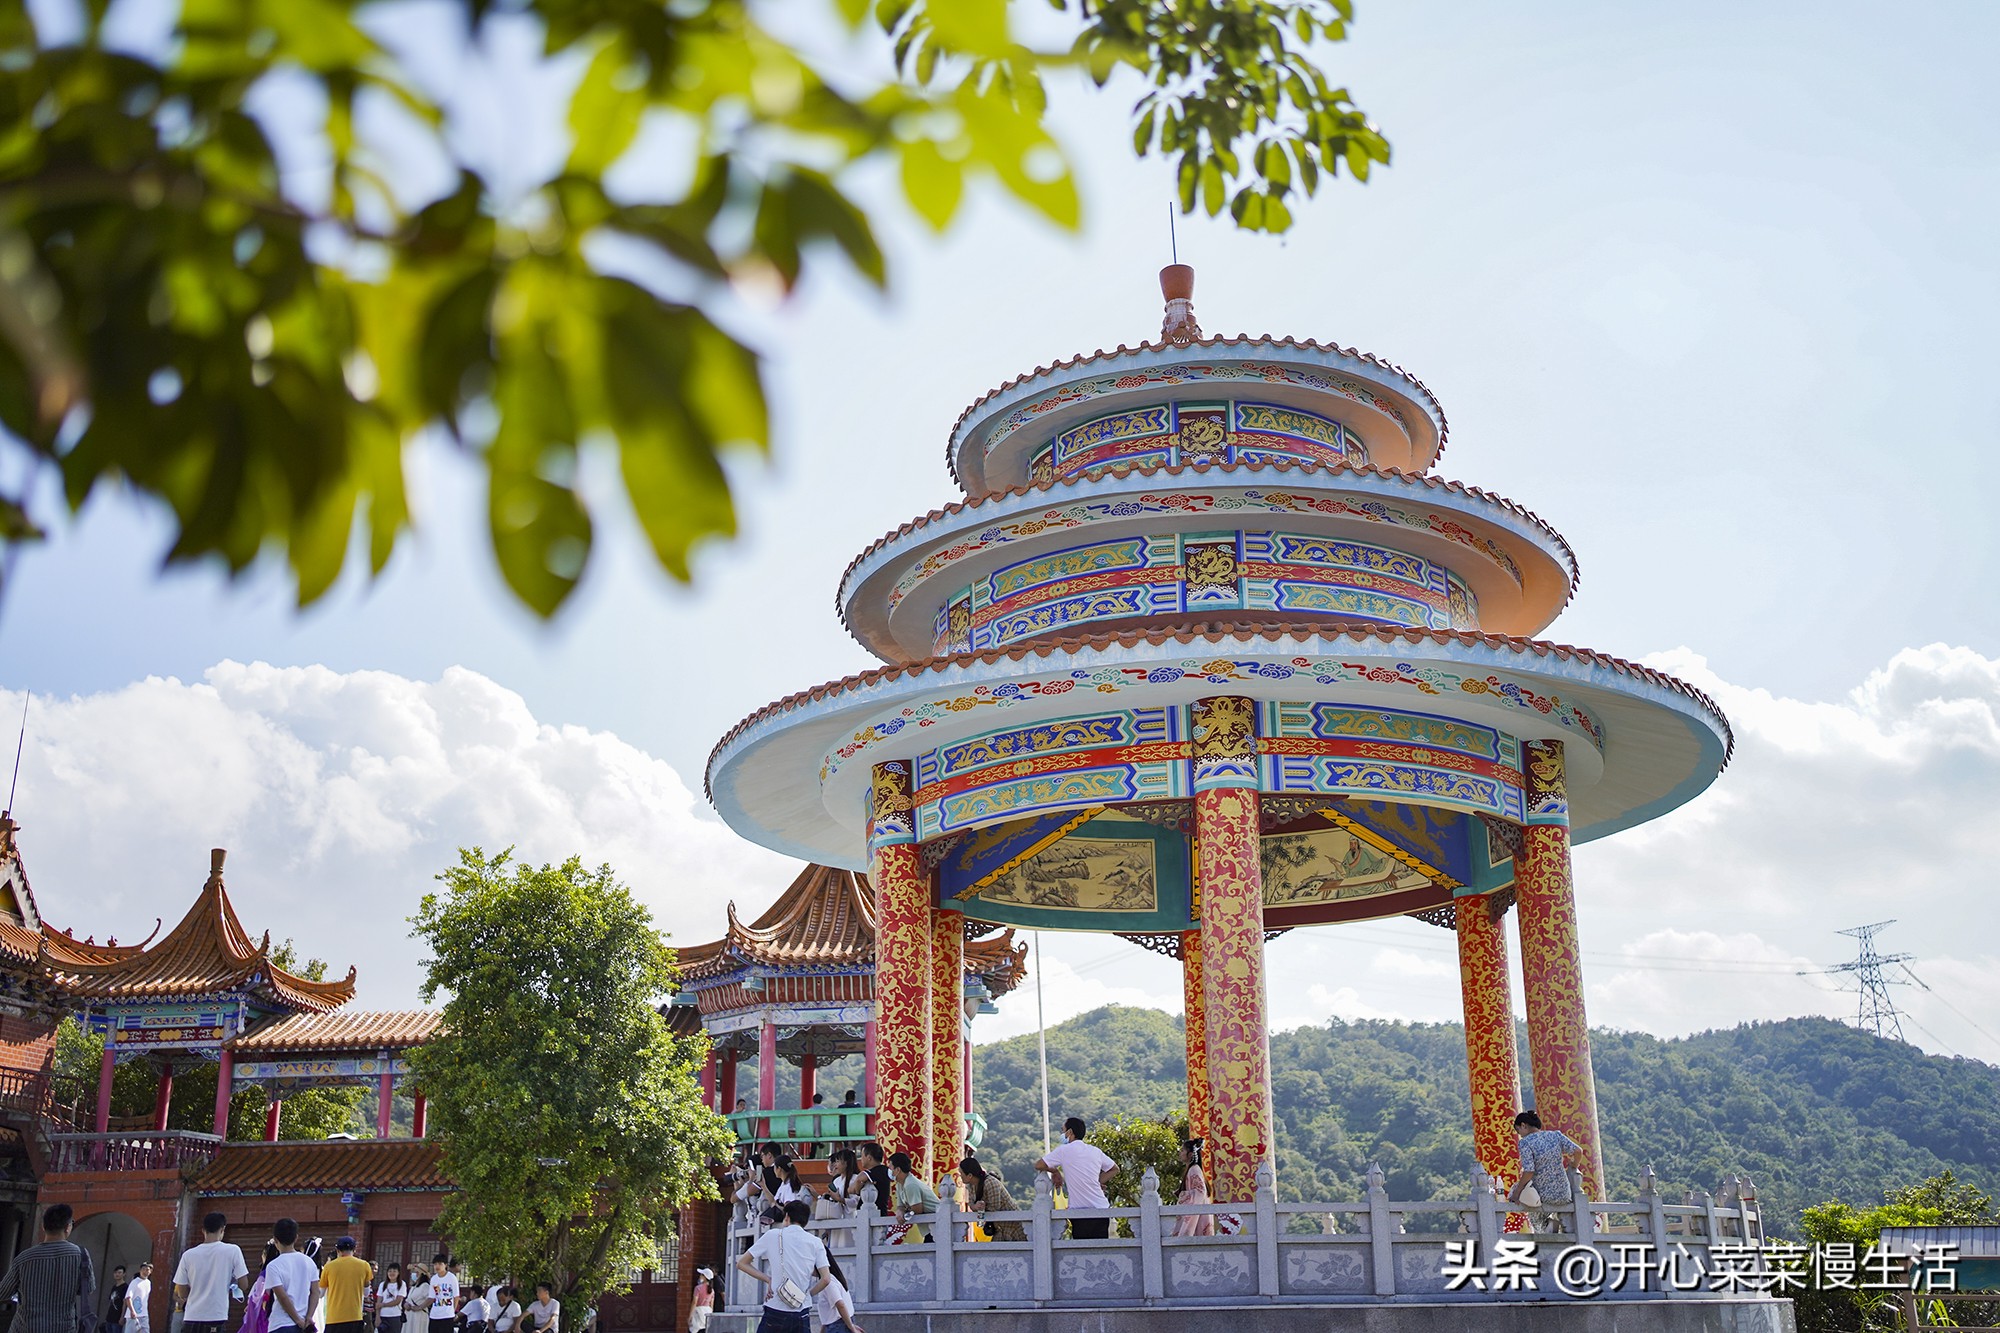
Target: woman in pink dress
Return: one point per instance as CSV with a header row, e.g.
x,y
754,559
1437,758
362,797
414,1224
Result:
x,y
1194,1190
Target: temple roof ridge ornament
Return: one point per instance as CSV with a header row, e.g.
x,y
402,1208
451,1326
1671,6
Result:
x,y
826,919
1177,285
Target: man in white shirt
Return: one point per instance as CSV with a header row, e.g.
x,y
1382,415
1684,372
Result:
x,y
475,1314
506,1311
444,1295
291,1279
793,1262
1085,1169
208,1277
139,1301
544,1313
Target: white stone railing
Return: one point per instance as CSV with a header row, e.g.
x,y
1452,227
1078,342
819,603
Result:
x,y
1287,1252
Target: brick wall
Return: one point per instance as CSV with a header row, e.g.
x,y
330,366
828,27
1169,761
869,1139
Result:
x,y
150,1198
27,1044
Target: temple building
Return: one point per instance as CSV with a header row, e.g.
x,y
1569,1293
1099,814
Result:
x,y
1207,651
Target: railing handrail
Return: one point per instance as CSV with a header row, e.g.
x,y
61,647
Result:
x,y
1706,1230
127,1135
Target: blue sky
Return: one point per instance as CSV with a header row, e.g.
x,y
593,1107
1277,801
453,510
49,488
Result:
x,y
1708,289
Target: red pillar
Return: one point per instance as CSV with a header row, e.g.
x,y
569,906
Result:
x,y
1490,1059
728,1082
273,1114
966,1076
767,1073
163,1100
107,1067
868,1064
708,1082
947,1040
1552,964
225,1087
419,1116
808,1080
902,969
1195,1025
385,1102
1228,869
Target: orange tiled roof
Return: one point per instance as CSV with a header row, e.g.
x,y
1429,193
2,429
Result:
x,y
1225,474
324,1167
826,918
1193,349
1217,632
206,953
368,1030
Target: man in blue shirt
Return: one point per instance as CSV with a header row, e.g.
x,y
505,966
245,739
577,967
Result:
x,y
1547,1158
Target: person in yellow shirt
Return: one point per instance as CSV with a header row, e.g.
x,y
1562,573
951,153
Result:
x,y
345,1281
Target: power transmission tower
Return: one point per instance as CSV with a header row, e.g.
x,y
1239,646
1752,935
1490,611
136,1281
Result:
x,y
1877,1012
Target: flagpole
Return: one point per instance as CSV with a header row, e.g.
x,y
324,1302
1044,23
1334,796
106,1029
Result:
x,y
1042,1043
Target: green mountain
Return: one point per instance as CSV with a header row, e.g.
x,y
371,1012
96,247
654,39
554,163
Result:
x,y
1809,1108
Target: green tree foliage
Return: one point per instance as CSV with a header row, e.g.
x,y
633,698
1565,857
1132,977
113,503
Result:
x,y
1941,1200
1810,1109
310,1114
569,1114
172,317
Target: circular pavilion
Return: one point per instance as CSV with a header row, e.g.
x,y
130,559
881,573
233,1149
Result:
x,y
1207,653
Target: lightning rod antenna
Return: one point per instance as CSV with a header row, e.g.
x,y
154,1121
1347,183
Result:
x,y
19,741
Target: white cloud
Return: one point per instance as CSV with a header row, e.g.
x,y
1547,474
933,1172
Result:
x,y
1069,989
339,796
1876,805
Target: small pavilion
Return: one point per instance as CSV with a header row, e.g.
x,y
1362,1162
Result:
x,y
188,997
797,985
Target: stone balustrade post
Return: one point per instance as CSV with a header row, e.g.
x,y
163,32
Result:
x,y
1381,1245
1712,1230
1267,1229
1753,1214
1586,1220
1042,1231
1152,1261
941,1239
1656,1222
861,1282
1490,1224
1730,1200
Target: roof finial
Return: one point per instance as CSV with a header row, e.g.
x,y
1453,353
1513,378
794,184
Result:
x,y
1177,285
215,855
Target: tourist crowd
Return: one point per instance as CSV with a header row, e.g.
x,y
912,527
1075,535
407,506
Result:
x,y
301,1285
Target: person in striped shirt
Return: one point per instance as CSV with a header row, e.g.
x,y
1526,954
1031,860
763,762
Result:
x,y
50,1279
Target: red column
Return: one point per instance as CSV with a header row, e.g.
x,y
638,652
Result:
x,y
947,1040
106,1067
225,1087
966,1077
767,1072
868,1064
1227,840
1552,964
385,1101
1490,1058
708,1082
273,1114
902,969
163,1100
728,1082
419,1116
808,1080
1196,1025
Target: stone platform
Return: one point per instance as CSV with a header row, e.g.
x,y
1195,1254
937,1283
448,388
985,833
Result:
x,y
1734,1315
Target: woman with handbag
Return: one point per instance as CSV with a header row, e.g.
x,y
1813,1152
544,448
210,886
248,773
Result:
x,y
986,1193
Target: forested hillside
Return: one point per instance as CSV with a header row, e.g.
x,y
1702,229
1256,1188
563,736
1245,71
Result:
x,y
1809,1108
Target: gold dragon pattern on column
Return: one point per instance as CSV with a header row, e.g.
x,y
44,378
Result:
x,y
902,968
947,1040
1229,871
1490,1057
1552,964
1197,1034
